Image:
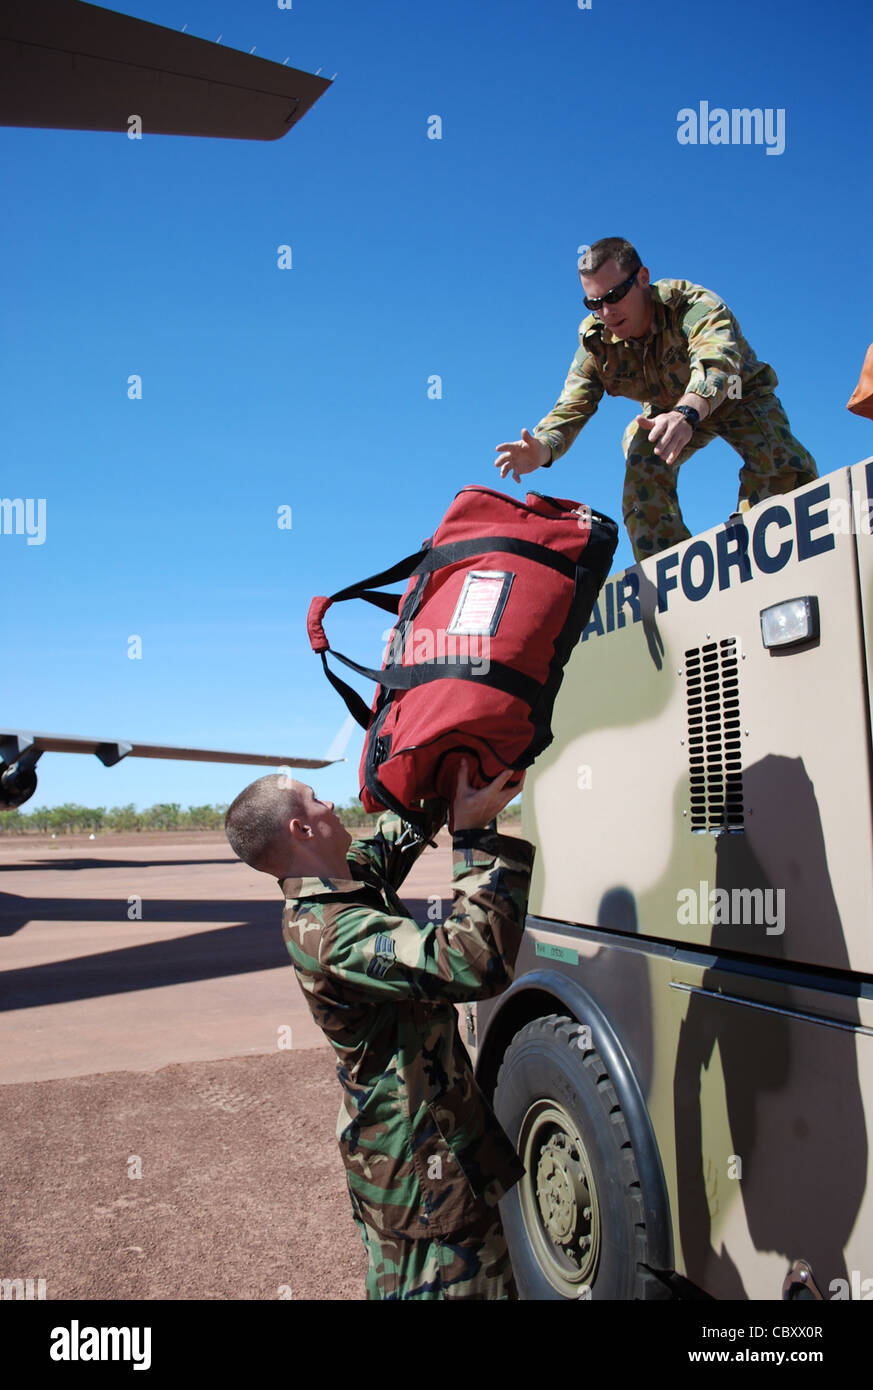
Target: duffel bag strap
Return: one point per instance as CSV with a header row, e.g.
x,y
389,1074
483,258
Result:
x,y
365,589
353,702
501,677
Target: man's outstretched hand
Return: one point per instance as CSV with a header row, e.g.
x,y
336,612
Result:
x,y
474,807
522,456
668,433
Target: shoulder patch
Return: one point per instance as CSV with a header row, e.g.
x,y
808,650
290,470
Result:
x,y
383,958
590,344
698,311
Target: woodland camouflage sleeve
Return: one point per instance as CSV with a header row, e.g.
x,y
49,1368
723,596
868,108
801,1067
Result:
x,y
391,852
715,348
576,404
470,955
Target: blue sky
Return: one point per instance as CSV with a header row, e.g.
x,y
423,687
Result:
x,y
411,256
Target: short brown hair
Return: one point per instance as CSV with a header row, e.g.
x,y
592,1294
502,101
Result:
x,y
609,248
255,819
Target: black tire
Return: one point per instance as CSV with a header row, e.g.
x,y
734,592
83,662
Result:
x,y
575,1224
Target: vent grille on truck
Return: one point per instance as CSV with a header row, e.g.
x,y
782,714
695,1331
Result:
x,y
712,694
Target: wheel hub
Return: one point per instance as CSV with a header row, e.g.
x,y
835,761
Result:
x,y
559,1196
562,1192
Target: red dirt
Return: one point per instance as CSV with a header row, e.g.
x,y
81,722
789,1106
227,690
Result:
x,y
157,1039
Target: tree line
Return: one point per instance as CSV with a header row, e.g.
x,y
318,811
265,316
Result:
x,y
71,819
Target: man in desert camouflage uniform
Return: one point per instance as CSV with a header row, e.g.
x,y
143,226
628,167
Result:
x,y
677,349
425,1157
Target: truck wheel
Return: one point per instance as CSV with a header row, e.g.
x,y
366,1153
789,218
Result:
x,y
575,1223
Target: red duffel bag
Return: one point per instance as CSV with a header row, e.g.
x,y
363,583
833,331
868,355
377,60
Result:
x,y
496,601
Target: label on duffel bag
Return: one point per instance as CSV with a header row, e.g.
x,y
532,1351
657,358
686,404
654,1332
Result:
x,y
483,599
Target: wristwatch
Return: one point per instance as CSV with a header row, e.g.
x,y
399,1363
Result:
x,y
691,415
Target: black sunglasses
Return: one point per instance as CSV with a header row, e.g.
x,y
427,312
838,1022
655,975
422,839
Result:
x,y
612,296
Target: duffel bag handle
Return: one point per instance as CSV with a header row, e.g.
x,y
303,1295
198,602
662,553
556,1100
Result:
x,y
364,589
317,609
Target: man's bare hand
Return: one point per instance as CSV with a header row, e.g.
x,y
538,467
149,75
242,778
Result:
x,y
473,808
668,433
522,456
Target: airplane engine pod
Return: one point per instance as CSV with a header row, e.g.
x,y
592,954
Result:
x,y
17,784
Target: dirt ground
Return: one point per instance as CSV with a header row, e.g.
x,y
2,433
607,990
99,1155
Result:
x,y
167,1106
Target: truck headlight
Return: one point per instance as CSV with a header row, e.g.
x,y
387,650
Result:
x,y
791,622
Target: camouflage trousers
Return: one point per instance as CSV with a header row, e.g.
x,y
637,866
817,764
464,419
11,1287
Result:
x,y
773,462
471,1264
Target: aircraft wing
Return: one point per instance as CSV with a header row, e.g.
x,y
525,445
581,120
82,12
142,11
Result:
x,y
20,751
111,751
73,66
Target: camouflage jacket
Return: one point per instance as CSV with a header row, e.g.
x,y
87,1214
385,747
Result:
x,y
694,344
422,1148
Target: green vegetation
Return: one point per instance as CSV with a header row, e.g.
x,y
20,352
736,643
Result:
x,y
71,819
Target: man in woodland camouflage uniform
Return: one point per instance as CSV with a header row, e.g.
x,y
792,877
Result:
x,y
425,1157
677,349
